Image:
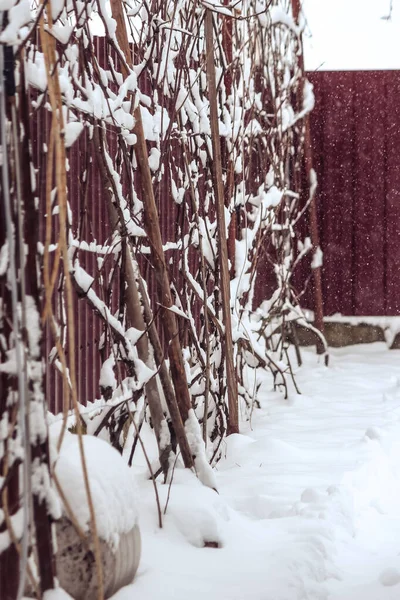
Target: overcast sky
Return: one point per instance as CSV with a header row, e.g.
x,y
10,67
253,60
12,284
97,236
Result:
x,y
351,34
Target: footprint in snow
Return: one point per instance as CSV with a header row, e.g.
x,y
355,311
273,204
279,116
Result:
x,y
389,577
373,433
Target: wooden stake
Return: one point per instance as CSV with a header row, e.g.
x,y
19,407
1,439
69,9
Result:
x,y
168,389
152,228
137,293
135,316
227,33
233,419
308,163
49,52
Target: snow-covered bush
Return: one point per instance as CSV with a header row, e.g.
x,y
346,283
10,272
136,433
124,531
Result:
x,y
184,112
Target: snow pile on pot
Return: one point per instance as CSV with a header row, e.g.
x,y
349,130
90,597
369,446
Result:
x,y
113,494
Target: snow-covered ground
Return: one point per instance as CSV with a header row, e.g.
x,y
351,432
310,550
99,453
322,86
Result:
x,y
309,497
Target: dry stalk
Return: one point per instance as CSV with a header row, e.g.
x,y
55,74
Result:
x,y
48,44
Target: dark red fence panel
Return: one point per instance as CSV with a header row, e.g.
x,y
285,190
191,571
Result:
x,y
335,175
369,193
393,196
356,142
355,128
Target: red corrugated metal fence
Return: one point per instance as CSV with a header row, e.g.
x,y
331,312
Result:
x,y
356,147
